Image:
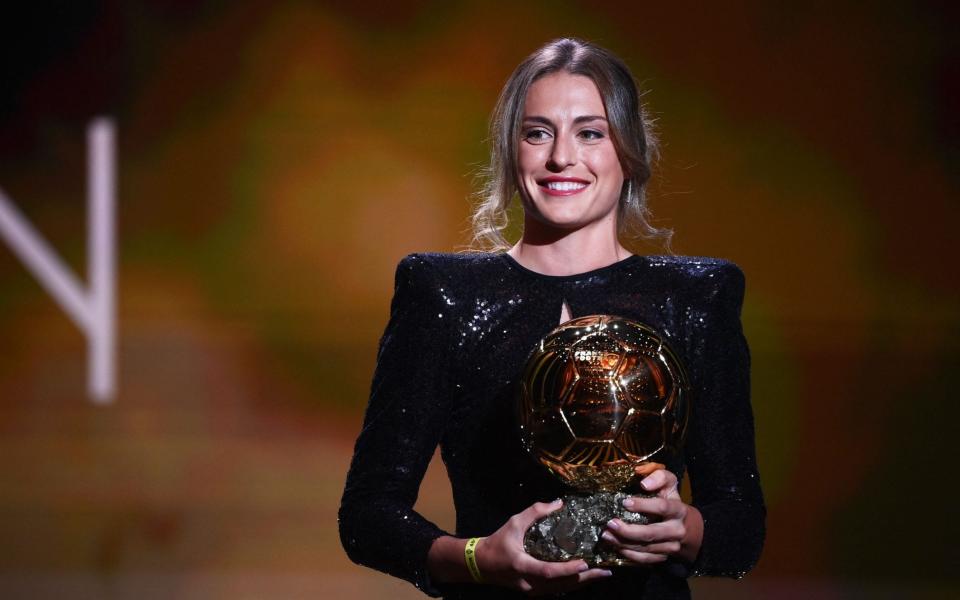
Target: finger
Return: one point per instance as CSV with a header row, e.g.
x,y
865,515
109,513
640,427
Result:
x,y
666,508
659,481
591,574
647,468
642,558
627,533
527,565
540,509
668,548
664,548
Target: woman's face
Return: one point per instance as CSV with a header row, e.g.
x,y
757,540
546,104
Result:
x,y
570,175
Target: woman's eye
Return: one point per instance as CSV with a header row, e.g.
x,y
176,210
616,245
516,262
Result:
x,y
592,134
536,135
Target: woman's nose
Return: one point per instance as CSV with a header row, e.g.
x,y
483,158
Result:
x,y
562,154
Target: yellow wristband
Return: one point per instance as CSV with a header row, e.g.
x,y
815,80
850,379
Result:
x,y
470,553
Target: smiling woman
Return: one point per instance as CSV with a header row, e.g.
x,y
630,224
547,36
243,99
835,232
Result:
x,y
570,174
628,129
570,139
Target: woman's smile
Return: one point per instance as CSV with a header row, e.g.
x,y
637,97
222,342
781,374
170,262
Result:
x,y
562,186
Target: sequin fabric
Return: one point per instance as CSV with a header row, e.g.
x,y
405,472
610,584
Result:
x,y
461,327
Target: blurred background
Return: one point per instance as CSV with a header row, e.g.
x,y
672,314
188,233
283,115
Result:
x,y
276,159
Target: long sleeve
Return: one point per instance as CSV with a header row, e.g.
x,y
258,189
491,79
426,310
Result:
x,y
720,451
401,429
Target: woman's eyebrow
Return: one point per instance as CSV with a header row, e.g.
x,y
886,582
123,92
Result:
x,y
538,119
588,118
576,121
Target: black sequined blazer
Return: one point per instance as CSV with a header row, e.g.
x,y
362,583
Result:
x,y
461,327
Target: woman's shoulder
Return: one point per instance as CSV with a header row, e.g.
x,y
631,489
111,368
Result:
x,y
443,265
701,277
695,267
448,282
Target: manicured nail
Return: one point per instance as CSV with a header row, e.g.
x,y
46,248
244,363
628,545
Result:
x,y
606,572
556,502
583,567
608,537
628,502
647,485
613,524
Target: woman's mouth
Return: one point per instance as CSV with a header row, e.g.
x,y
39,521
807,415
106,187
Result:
x,y
562,186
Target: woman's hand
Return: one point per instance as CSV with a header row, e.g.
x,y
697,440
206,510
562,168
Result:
x,y
679,531
502,560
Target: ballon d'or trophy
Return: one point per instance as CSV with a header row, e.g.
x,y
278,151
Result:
x,y
600,397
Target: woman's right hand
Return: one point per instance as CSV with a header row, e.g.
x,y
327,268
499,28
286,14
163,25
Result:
x,y
503,561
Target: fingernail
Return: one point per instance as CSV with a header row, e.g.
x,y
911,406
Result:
x,y
608,536
645,483
606,572
628,502
613,524
584,567
556,502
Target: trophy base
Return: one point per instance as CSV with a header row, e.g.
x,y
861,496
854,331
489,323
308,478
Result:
x,y
573,532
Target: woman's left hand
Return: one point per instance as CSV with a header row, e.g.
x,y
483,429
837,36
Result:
x,y
678,532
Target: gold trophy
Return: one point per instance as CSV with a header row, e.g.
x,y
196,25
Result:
x,y
602,398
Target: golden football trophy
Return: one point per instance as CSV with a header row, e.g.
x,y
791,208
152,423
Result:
x,y
602,398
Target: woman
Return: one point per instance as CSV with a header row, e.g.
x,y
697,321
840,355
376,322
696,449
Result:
x,y
569,137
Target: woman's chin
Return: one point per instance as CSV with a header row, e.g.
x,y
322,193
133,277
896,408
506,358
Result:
x,y
562,222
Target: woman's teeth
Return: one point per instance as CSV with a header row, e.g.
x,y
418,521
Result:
x,y
565,186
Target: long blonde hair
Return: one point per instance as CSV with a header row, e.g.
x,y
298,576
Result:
x,y
630,129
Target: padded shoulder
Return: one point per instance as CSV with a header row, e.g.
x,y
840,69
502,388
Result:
x,y
450,267
707,277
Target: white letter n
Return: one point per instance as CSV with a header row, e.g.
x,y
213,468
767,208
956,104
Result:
x,y
92,310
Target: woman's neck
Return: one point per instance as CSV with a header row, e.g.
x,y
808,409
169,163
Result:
x,y
567,253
